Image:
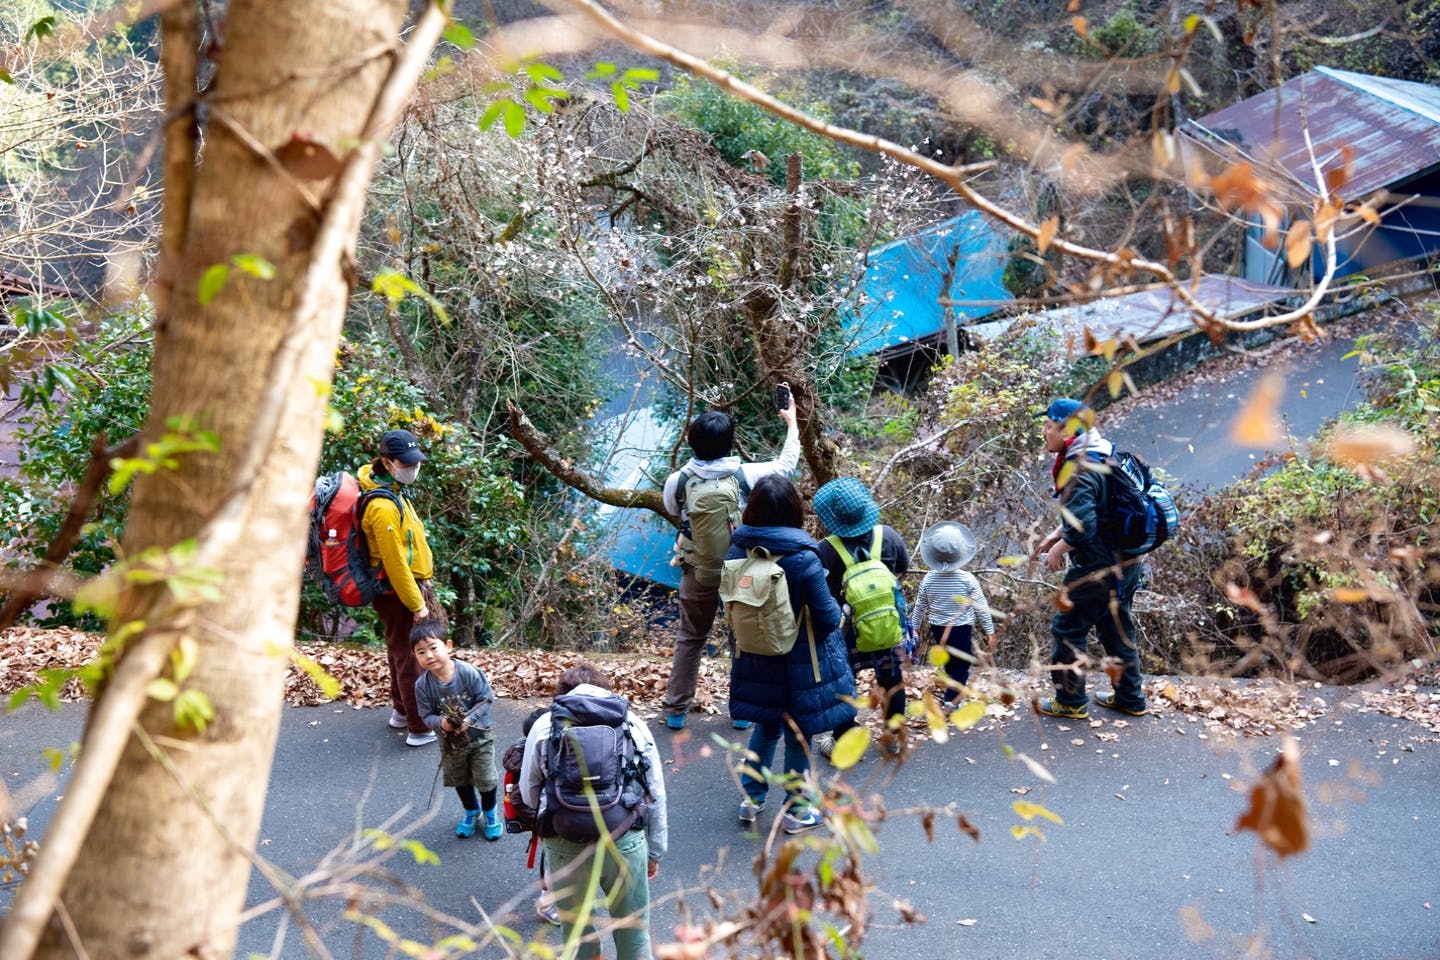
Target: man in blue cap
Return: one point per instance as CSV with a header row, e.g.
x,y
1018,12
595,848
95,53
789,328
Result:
x,y
1099,584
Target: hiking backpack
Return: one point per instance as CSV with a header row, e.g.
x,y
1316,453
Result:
x,y
870,591
593,769
336,553
757,607
519,815
1139,511
712,507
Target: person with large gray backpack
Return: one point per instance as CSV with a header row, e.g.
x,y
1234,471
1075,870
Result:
x,y
789,676
594,776
708,494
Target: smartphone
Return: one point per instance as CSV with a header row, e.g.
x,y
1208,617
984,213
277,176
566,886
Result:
x,y
782,396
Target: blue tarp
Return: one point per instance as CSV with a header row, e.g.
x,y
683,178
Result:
x,y
899,298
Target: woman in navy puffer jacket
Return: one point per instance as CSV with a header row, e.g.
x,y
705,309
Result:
x,y
774,692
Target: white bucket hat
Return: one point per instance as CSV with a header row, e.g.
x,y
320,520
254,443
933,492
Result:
x,y
947,546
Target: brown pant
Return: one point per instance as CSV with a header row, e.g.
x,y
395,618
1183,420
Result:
x,y
698,606
404,668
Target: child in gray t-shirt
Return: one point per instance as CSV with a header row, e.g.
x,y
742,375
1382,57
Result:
x,y
453,698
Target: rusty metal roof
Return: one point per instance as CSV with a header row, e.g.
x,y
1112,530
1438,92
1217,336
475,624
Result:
x,y
1393,127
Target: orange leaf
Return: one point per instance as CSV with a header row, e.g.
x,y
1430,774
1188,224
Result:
x,y
1073,6
1337,177
1348,595
1081,27
1367,446
1115,382
1297,243
1046,233
1258,424
1046,107
1368,214
1277,806
1063,603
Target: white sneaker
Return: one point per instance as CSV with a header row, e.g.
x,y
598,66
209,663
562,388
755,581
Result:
x,y
750,812
825,745
546,909
807,819
397,720
419,739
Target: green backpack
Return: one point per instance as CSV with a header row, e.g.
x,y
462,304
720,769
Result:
x,y
712,506
757,607
869,589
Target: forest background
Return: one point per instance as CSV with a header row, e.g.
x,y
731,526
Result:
x,y
526,209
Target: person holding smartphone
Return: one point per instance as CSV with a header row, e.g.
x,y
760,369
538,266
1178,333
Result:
x,y
708,495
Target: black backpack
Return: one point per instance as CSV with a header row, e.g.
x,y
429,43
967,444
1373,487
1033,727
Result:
x,y
593,767
1139,511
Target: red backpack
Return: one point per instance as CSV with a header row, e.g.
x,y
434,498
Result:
x,y
336,554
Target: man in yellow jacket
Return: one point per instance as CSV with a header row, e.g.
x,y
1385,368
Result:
x,y
396,538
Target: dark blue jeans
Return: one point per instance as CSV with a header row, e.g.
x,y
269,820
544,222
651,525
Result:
x,y
1102,603
956,637
763,740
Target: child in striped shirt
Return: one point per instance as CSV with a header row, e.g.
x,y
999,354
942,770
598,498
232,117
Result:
x,y
951,600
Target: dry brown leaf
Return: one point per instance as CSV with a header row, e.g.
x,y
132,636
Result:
x,y
1277,805
1298,243
1081,27
1258,424
1046,233
1367,446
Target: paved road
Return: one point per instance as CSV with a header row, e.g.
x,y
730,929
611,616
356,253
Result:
x,y
1189,435
1147,839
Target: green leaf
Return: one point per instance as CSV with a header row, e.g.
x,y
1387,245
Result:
x,y
514,117
541,97
639,75
601,70
1192,22
193,710
41,29
255,265
542,72
330,687
491,114
1029,811
54,756
850,747
99,595
162,689
6,77
212,281
622,99
460,35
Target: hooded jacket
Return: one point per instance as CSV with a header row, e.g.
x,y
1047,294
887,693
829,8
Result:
x,y
725,466
1084,497
396,539
768,689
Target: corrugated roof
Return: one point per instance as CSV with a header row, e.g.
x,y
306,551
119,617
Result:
x,y
1147,314
901,288
1393,126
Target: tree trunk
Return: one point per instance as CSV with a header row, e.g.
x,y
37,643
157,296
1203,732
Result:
x,y
159,874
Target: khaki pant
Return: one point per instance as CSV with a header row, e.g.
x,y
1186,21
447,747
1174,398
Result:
x,y
698,606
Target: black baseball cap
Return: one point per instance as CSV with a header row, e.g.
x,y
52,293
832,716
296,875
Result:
x,y
401,445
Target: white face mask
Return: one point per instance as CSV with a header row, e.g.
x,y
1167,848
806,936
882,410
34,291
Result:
x,y
405,474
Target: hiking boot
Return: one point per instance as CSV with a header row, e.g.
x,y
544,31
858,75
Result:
x,y
807,819
1107,700
675,721
1052,707
750,812
546,909
398,721
465,829
494,826
419,739
741,724
825,745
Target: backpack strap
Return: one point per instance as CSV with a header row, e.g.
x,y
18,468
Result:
x,y
844,554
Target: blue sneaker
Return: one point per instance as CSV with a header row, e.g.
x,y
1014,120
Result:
x,y
807,819
466,828
741,724
750,812
493,824
675,721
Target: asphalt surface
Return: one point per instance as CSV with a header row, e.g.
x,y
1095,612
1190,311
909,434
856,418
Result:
x,y
1189,435
1147,862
